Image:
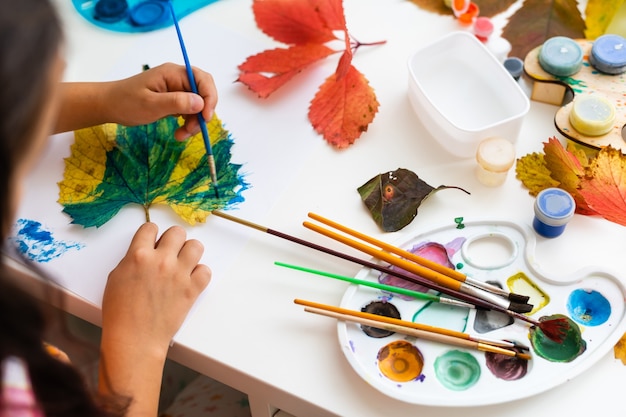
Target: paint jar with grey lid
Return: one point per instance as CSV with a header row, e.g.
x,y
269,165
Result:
x,y
554,208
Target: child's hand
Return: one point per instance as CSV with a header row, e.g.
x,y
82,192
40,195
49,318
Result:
x,y
162,91
146,299
150,292
141,99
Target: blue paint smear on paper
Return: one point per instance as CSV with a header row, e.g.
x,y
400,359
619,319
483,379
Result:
x,y
38,244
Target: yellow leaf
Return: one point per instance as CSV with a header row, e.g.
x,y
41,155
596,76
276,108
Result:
x,y
86,164
599,14
532,171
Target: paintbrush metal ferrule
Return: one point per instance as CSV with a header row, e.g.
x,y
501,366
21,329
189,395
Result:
x,y
488,296
247,223
497,290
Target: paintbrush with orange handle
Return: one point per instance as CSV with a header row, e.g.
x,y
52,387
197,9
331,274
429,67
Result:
x,y
422,331
554,329
423,271
452,273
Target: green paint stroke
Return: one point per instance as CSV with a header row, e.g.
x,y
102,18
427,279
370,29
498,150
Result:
x,y
571,347
144,167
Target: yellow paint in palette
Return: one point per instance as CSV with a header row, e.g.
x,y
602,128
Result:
x,y
400,361
521,284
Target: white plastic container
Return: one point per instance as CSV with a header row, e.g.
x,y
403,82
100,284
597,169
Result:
x,y
463,94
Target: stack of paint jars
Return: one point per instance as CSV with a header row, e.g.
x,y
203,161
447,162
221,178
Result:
x,y
591,114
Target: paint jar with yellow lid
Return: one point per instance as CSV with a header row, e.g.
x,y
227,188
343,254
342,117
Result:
x,y
592,114
495,156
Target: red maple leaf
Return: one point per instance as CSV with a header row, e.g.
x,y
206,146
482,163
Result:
x,y
282,63
604,185
345,104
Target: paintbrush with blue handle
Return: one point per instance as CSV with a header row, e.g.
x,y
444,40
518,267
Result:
x,y
194,88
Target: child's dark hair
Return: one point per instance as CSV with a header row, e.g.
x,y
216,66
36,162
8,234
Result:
x,y
30,43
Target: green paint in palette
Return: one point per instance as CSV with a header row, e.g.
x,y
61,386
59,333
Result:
x,y
571,347
457,370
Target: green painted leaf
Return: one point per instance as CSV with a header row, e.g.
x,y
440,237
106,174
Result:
x,y
394,197
111,166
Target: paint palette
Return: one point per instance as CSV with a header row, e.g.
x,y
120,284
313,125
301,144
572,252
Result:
x,y
430,373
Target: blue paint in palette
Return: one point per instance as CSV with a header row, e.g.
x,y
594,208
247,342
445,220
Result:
x,y
39,244
132,16
588,307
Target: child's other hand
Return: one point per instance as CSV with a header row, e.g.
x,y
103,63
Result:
x,y
162,91
150,292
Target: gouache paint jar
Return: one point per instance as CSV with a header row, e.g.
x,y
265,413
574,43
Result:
x,y
608,54
554,208
592,115
495,156
514,66
561,56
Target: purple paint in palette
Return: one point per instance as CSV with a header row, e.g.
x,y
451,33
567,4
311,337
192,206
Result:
x,y
591,300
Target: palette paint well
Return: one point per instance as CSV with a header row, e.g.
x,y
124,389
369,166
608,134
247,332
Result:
x,y
592,301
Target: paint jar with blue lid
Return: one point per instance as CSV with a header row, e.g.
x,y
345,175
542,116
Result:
x,y
554,208
608,54
561,56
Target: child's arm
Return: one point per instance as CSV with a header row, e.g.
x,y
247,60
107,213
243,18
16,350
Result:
x,y
143,98
146,299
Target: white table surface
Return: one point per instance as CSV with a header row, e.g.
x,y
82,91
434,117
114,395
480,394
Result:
x,y
245,330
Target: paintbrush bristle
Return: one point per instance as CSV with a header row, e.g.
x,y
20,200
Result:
x,y
555,329
517,298
520,307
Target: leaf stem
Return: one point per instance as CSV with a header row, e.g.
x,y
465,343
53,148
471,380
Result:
x,y
146,210
356,44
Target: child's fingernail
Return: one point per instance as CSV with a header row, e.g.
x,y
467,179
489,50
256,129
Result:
x,y
196,103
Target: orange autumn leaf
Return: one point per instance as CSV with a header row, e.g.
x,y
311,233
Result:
x,y
566,168
343,108
598,184
604,185
619,350
345,104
